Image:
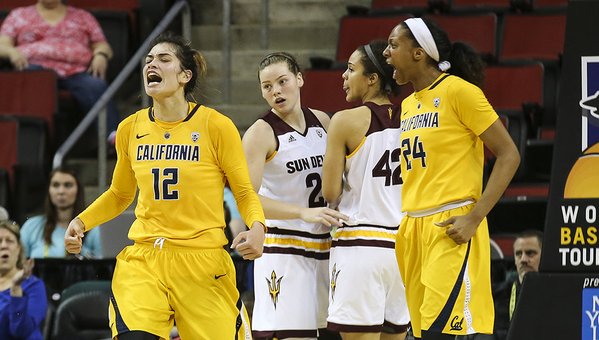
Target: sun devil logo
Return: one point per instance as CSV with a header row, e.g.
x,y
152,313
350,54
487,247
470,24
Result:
x,y
334,275
274,287
195,136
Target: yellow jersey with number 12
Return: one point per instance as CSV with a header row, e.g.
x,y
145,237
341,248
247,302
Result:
x,y
442,154
180,169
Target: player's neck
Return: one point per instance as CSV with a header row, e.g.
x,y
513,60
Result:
x,y
294,118
171,109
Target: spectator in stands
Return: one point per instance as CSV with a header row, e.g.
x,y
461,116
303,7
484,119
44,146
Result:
x,y
527,257
3,214
43,235
443,246
22,296
68,40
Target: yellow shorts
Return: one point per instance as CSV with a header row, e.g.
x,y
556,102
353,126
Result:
x,y
153,287
448,286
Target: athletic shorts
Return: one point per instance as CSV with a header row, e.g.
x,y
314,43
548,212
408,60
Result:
x,y
290,295
448,285
366,290
152,287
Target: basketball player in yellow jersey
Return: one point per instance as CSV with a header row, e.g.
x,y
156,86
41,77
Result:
x,y
443,243
179,154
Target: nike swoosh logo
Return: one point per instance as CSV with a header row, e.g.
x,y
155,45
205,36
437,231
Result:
x,y
216,277
142,136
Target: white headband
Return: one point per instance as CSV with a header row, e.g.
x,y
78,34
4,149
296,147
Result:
x,y
425,40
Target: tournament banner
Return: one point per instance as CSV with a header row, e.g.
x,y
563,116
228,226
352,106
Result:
x,y
562,300
571,237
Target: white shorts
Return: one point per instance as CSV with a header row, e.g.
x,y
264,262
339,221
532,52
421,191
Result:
x,y
366,292
291,295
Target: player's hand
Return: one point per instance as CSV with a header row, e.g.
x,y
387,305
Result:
x,y
73,237
18,60
461,228
98,66
250,243
326,216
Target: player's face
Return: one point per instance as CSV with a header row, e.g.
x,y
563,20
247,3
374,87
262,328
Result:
x,y
527,255
9,250
355,82
163,75
63,190
399,54
280,87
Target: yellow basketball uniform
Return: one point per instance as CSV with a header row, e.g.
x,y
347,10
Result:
x,y
448,285
180,169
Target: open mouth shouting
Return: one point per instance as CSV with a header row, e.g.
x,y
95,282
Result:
x,y
153,79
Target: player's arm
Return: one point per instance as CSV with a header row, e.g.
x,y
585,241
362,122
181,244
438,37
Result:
x,y
259,144
232,161
334,160
323,118
112,202
122,190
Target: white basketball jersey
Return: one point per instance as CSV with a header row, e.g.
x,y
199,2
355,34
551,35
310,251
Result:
x,y
293,173
372,187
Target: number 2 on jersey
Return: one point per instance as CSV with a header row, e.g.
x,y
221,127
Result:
x,y
170,176
413,152
315,200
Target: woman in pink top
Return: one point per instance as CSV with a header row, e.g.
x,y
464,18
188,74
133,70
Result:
x,y
67,40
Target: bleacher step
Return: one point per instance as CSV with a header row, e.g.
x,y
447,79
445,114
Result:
x,y
281,37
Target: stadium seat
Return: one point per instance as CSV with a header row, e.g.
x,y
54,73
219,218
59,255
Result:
x,y
355,31
32,93
530,36
478,30
4,189
23,153
8,145
516,125
394,6
508,87
117,30
497,6
83,315
334,98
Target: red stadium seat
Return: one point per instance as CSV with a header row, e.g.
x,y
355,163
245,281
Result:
x,y
8,145
529,36
479,30
547,4
508,87
478,5
31,93
332,99
355,31
399,4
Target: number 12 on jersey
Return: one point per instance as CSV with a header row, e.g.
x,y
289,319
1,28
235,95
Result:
x,y
163,183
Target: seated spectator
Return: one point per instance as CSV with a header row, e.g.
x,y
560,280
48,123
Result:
x,y
43,235
68,40
23,300
527,257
